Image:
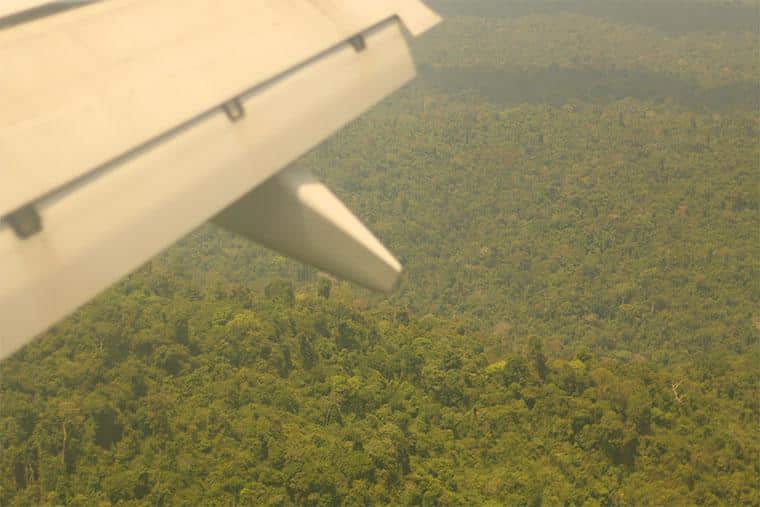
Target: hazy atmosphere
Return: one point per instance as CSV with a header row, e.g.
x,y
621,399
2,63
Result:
x,y
572,188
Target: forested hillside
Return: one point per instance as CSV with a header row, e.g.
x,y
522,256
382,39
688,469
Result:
x,y
573,190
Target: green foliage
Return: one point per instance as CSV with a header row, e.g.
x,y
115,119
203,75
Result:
x,y
281,291
274,404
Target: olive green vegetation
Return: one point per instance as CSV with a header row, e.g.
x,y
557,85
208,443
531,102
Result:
x,y
574,194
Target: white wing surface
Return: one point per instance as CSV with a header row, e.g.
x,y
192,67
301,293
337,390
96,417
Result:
x,y
127,123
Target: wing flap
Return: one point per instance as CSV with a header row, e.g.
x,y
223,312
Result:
x,y
120,73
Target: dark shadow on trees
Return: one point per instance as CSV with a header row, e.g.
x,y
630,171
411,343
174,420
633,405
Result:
x,y
675,16
555,85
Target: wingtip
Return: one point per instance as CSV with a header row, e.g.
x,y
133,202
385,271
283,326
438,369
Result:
x,y
417,17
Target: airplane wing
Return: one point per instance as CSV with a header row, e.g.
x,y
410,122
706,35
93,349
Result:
x,y
124,124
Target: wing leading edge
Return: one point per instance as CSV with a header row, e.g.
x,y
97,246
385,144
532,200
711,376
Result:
x,y
191,156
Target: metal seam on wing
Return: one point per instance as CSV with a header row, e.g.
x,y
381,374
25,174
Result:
x,y
113,164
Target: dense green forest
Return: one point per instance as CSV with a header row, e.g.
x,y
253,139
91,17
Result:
x,y
573,189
